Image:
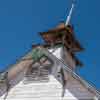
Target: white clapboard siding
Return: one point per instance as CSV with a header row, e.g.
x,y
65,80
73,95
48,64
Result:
x,y
51,90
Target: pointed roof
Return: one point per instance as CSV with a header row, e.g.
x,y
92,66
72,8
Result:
x,y
56,34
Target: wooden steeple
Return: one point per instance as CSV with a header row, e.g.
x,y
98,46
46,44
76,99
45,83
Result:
x,y
63,34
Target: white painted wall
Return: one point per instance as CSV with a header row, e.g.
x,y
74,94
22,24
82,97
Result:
x,y
51,90
38,91
60,53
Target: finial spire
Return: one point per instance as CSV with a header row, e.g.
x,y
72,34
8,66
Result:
x,y
70,13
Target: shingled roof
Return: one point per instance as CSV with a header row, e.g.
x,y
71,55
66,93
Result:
x,y
56,34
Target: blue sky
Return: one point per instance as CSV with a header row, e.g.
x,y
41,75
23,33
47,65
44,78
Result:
x,y
21,20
